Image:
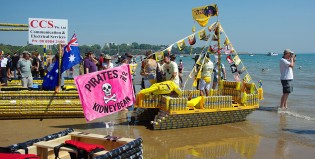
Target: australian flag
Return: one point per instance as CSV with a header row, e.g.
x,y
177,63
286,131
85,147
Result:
x,y
71,55
50,81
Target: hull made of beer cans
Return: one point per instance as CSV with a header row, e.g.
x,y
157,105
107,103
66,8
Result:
x,y
232,102
39,104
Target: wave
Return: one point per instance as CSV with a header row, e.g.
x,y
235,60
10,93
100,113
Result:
x,y
297,115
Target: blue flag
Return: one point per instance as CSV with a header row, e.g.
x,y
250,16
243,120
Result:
x,y
71,55
51,79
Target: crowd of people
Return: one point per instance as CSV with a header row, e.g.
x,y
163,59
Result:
x,y
22,66
153,71
29,65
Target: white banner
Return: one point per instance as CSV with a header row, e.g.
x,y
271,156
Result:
x,y
43,31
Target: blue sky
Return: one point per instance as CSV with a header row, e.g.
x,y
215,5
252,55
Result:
x,y
252,26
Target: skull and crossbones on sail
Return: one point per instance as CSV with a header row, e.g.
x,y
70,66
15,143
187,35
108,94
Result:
x,y
107,89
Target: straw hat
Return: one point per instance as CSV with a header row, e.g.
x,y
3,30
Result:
x,y
107,57
26,52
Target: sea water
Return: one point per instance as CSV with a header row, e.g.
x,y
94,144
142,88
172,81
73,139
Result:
x,y
300,114
266,68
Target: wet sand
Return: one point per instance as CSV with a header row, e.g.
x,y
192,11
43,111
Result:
x,y
261,136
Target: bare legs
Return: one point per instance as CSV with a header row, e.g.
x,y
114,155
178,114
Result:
x,y
204,92
284,100
214,85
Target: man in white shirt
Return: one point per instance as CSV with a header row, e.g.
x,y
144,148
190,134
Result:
x,y
4,70
286,77
170,69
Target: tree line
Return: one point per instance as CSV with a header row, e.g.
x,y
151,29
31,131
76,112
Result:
x,y
108,48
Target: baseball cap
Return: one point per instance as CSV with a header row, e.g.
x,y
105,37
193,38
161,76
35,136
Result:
x,y
287,51
128,55
26,52
123,57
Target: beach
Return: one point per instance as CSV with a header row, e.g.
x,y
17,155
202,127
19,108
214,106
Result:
x,y
265,134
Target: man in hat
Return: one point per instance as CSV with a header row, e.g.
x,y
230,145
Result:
x,y
129,56
286,76
24,66
4,70
124,60
107,62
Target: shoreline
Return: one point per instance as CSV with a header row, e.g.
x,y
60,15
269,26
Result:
x,y
257,137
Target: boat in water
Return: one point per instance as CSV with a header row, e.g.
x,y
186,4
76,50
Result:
x,y
166,106
272,54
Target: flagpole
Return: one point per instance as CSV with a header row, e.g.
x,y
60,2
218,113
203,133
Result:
x,y
218,30
59,70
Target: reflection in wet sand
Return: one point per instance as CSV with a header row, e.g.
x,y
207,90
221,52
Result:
x,y
282,148
201,142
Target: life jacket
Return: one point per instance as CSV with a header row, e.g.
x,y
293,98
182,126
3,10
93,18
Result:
x,y
17,156
83,150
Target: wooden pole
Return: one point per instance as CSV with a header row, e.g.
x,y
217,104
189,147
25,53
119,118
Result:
x,y
219,53
59,70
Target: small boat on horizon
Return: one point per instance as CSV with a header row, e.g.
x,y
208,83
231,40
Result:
x,y
272,54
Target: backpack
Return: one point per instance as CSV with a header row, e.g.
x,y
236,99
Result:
x,y
84,150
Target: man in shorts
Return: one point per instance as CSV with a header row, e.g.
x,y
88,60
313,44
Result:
x,y
24,70
286,77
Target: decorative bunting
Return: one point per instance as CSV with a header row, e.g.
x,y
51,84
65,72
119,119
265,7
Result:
x,y
242,70
227,41
192,39
193,28
247,78
233,68
168,50
181,45
211,27
236,77
202,14
214,38
215,48
210,49
229,59
159,56
202,34
237,60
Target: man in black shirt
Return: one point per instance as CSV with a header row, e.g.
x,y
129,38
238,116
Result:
x,y
15,59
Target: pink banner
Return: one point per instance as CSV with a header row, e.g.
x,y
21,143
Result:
x,y
105,92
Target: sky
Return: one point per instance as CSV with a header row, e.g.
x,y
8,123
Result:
x,y
251,25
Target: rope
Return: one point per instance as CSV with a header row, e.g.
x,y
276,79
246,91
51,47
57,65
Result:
x,y
236,53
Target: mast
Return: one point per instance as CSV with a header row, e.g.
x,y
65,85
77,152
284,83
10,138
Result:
x,y
217,31
59,70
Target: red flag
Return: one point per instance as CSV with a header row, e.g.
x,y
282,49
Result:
x,y
229,59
